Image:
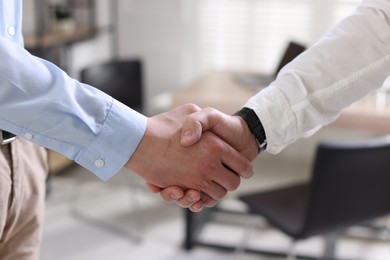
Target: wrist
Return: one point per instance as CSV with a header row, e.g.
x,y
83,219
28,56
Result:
x,y
137,159
255,126
249,139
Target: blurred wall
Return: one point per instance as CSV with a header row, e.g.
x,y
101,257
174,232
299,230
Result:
x,y
156,32
180,39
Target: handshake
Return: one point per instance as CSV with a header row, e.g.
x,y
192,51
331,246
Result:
x,y
194,156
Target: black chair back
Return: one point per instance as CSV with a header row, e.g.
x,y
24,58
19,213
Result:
x,y
350,184
121,79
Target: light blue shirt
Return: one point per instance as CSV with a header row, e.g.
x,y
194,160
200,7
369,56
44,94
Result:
x,y
40,102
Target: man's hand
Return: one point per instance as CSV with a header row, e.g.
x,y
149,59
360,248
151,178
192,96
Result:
x,y
210,166
231,129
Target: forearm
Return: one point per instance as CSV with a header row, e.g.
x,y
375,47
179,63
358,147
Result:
x,y
38,100
347,63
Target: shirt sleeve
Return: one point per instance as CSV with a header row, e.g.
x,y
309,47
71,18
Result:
x,y
348,62
39,102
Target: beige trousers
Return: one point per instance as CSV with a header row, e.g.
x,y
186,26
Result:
x,y
23,171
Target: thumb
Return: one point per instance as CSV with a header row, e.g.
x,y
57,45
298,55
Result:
x,y
191,131
198,122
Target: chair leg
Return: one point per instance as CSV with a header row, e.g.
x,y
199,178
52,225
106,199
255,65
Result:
x,y
330,245
291,251
73,202
249,227
189,233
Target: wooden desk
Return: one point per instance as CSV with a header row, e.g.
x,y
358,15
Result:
x,y
217,89
223,91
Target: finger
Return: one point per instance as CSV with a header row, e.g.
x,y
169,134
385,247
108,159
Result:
x,y
197,207
214,190
207,117
171,193
236,162
153,188
189,108
232,161
191,131
198,122
189,199
207,201
232,129
226,178
215,171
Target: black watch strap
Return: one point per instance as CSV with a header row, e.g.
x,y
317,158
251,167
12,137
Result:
x,y
254,125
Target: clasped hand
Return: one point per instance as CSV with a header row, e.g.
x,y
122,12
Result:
x,y
194,156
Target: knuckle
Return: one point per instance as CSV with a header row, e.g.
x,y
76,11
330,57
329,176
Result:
x,y
214,145
166,197
183,203
213,113
192,108
209,110
232,186
207,169
187,200
220,195
211,203
203,185
208,201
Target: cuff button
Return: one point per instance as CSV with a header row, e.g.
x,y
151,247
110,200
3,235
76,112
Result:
x,y
99,163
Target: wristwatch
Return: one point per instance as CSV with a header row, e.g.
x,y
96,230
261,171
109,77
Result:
x,y
254,125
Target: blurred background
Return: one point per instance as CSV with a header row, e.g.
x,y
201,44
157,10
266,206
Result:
x,y
212,53
178,40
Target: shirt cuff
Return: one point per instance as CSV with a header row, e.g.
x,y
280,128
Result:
x,y
276,116
112,148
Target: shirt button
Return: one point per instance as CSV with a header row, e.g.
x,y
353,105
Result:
x,y
99,163
11,30
28,136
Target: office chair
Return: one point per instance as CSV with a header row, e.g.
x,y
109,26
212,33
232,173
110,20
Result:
x,y
350,184
121,79
261,80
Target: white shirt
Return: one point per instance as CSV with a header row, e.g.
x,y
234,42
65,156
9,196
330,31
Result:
x,y
347,63
39,102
